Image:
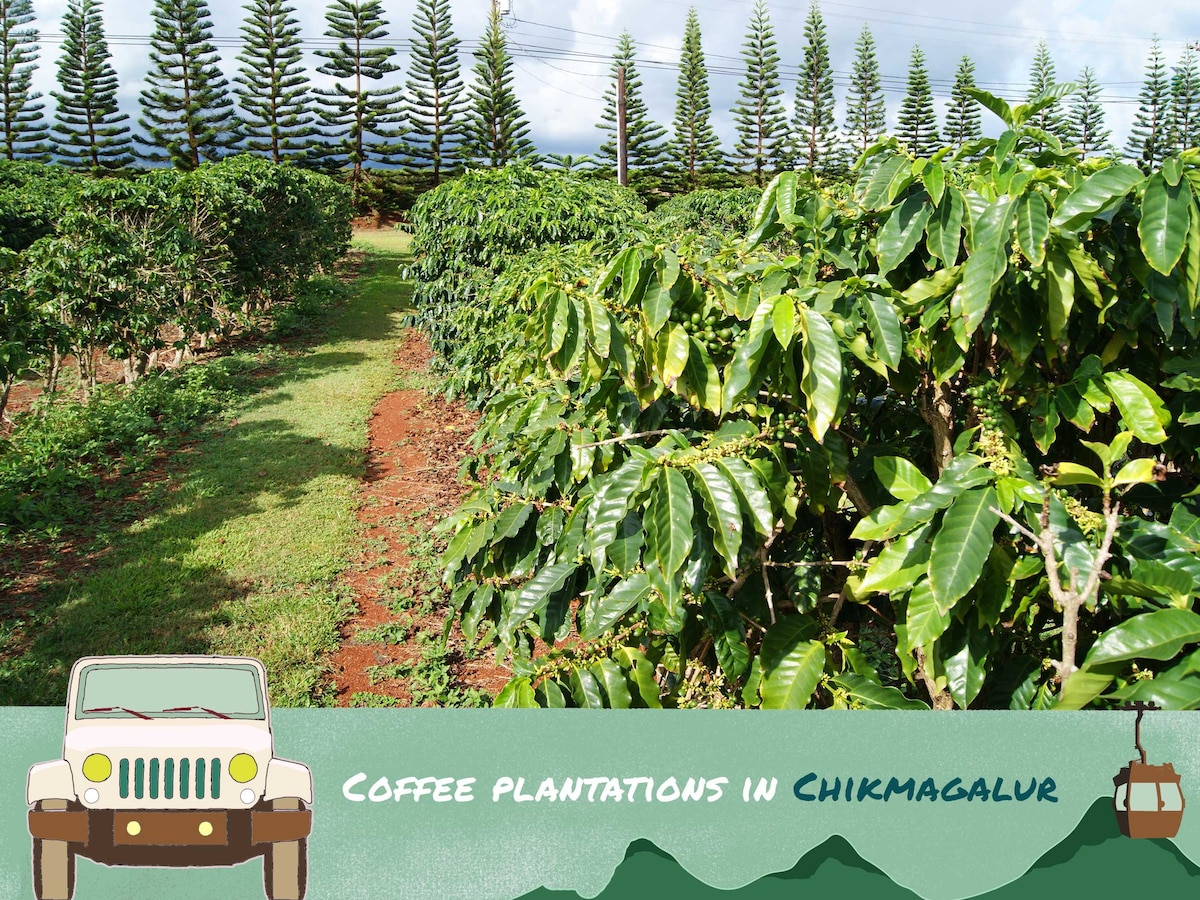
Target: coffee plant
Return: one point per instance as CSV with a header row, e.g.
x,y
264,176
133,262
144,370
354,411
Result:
x,y
470,230
131,266
926,442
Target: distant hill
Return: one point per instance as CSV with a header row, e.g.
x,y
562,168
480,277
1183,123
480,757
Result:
x,y
1094,862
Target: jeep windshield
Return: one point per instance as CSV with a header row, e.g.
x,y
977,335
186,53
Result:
x,y
170,691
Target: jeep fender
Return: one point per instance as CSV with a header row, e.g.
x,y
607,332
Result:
x,y
50,781
288,779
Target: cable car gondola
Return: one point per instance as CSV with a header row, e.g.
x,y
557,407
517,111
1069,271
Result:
x,y
1147,799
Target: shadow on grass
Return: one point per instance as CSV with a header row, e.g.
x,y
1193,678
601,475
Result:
x,y
240,548
171,583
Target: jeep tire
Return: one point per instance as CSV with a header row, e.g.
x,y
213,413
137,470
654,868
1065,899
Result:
x,y
285,864
53,870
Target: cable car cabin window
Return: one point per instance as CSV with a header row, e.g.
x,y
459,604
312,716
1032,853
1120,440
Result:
x,y
1143,797
1172,798
1121,796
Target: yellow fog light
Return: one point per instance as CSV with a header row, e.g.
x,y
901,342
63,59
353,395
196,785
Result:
x,y
133,828
97,768
242,768
205,829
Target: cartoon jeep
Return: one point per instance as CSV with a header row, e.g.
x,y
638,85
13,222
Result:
x,y
168,761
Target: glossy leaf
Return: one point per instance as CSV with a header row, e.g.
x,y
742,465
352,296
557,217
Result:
x,y
872,695
902,231
1163,227
602,611
1153,635
925,621
755,500
962,545
900,478
1095,193
986,265
822,380
1033,226
728,634
669,521
887,332
612,503
791,664
1141,409
610,676
724,512
944,231
517,694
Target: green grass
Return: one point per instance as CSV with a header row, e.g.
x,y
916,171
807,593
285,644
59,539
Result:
x,y
246,538
382,240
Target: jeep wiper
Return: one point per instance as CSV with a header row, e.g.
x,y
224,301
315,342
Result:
x,y
211,712
132,712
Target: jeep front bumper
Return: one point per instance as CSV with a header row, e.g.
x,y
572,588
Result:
x,y
194,837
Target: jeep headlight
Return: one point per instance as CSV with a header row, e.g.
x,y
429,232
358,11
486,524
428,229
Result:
x,y
242,768
97,767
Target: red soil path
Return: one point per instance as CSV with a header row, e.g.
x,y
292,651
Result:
x,y
417,442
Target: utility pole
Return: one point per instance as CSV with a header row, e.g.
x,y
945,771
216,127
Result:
x,y
622,133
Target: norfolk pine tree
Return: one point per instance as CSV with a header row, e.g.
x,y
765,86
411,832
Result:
x,y
1085,122
273,89
866,114
90,130
436,104
1185,102
918,120
186,107
497,130
761,121
696,146
963,115
643,135
24,128
353,112
1050,119
813,119
1149,138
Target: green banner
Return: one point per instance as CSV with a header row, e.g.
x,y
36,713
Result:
x,y
506,804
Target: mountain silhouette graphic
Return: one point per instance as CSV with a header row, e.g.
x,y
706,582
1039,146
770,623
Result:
x,y
1095,861
832,869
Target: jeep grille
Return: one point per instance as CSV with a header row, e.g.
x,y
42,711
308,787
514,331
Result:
x,y
170,778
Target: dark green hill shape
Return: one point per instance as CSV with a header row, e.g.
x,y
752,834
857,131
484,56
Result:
x,y
1096,861
832,869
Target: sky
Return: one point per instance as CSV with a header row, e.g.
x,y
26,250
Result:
x,y
562,49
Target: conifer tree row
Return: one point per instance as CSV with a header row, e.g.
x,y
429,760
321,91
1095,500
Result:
x,y
866,114
435,105
1041,78
1184,130
90,129
186,108
813,119
643,136
497,131
1085,124
696,147
352,112
761,122
963,116
273,89
22,126
1148,138
918,120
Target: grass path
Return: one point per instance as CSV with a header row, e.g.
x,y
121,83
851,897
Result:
x,y
249,528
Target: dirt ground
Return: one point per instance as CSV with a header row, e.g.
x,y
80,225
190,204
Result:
x,y
417,442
